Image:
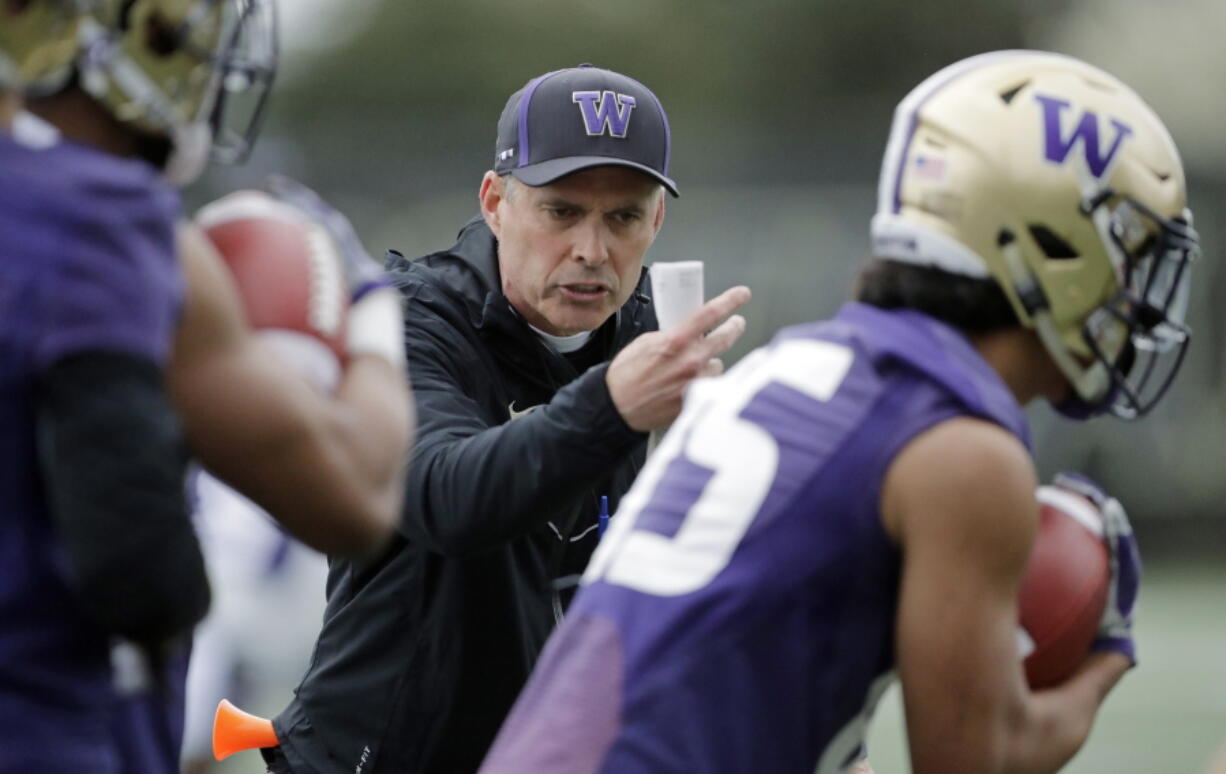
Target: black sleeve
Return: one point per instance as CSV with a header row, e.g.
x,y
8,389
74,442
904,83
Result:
x,y
111,455
472,486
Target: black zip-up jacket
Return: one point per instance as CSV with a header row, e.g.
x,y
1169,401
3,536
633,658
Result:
x,y
423,652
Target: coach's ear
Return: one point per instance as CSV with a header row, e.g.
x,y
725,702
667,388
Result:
x,y
492,194
658,220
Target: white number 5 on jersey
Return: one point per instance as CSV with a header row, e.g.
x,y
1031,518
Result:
x,y
742,457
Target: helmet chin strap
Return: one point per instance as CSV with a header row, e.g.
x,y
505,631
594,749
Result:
x,y
189,154
1092,383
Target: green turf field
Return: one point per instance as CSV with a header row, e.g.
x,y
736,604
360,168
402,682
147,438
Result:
x,y
1168,715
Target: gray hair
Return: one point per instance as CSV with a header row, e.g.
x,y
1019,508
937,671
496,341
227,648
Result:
x,y
508,184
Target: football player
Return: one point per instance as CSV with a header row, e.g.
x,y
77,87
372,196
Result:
x,y
856,500
122,336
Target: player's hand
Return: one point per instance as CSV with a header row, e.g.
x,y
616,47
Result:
x,y
1115,630
375,324
648,378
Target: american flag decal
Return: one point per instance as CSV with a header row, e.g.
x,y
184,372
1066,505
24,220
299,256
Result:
x,y
930,168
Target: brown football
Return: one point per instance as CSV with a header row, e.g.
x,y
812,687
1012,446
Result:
x,y
284,265
1064,590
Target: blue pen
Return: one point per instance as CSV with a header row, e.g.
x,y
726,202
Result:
x,y
602,521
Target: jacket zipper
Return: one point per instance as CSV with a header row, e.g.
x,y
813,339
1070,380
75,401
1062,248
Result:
x,y
555,563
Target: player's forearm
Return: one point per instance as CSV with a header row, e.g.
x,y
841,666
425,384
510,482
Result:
x,y
378,433
1056,722
1032,733
348,454
326,467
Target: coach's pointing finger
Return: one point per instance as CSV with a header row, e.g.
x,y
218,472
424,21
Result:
x,y
722,338
711,313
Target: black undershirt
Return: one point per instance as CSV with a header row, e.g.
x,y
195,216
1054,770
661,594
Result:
x,y
112,459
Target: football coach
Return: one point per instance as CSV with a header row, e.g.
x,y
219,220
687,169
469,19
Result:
x,y
537,375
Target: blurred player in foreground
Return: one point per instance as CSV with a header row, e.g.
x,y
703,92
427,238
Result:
x,y
268,588
858,497
97,542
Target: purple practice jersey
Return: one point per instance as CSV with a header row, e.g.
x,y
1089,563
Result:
x,y
739,615
87,264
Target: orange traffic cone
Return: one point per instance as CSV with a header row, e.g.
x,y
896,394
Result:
x,y
235,730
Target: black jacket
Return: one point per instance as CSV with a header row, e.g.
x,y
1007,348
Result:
x,y
423,652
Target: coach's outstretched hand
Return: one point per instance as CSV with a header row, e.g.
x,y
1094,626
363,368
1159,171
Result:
x,y
647,379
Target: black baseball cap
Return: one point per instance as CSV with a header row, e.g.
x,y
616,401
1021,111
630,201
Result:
x,y
569,120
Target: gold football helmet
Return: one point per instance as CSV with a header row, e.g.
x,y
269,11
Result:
x,y
196,72
1058,182
180,69
38,41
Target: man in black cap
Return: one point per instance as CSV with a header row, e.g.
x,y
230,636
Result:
x,y
537,376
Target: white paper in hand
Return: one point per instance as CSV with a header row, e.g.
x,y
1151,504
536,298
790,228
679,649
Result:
x,y
676,291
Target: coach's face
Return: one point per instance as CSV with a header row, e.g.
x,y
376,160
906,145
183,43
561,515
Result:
x,y
570,252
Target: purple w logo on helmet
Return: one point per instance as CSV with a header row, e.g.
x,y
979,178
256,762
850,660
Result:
x,y
605,110
1058,147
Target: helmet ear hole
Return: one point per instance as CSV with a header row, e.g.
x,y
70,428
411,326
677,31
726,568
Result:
x,y
1050,243
162,38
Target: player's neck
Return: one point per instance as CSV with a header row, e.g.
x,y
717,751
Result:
x,y
1017,355
83,120
9,105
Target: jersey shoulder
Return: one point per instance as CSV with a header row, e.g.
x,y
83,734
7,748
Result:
x,y
927,350
95,247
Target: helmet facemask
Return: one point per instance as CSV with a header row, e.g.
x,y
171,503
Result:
x,y
177,68
1127,351
247,74
1139,336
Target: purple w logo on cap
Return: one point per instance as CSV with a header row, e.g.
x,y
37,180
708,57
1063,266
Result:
x,y
604,110
1058,147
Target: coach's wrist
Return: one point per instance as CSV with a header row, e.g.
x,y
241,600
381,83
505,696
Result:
x,y
599,413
